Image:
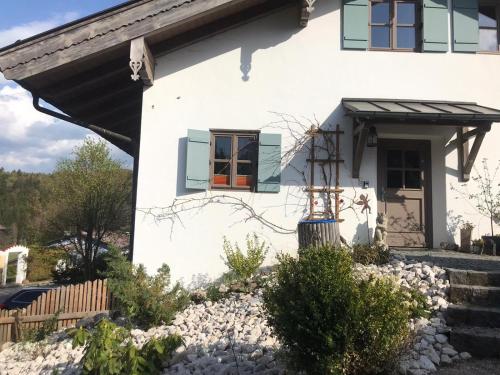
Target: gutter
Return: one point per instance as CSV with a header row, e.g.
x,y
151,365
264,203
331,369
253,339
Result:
x,y
97,129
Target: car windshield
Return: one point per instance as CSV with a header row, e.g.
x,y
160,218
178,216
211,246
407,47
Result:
x,y
27,296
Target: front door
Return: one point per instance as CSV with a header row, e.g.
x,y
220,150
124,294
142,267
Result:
x,y
404,188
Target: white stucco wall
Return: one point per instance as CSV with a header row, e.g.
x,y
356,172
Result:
x,y
302,72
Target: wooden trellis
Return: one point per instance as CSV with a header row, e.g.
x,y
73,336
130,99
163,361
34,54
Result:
x,y
331,145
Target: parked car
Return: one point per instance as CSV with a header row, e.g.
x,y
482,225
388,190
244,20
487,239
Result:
x,y
23,298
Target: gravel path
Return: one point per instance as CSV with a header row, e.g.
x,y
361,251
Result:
x,y
473,367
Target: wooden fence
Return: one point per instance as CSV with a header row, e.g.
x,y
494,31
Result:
x,y
71,303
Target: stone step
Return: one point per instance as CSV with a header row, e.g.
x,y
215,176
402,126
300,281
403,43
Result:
x,y
481,342
481,316
475,295
470,277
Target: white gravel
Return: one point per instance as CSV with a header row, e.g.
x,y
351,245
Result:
x,y
232,336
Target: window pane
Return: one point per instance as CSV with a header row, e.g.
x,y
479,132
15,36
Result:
x,y
394,159
412,180
381,37
222,147
406,13
246,148
412,159
394,179
380,12
28,296
222,173
244,169
488,40
487,17
406,37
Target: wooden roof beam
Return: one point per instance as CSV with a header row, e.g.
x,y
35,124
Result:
x,y
142,61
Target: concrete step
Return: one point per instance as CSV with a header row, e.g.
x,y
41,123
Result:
x,y
481,342
480,316
470,277
475,295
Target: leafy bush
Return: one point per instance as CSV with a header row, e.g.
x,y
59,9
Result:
x,y
329,321
48,327
41,262
245,266
366,254
109,350
145,300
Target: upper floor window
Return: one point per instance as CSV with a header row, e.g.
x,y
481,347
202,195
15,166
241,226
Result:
x,y
393,24
233,159
488,26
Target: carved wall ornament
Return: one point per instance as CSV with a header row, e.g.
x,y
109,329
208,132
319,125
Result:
x,y
136,66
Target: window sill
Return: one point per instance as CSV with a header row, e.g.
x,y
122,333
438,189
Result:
x,y
488,52
393,50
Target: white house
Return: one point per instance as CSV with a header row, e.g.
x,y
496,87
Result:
x,y
220,92
13,265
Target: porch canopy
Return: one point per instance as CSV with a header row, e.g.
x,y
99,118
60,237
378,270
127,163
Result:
x,y
462,115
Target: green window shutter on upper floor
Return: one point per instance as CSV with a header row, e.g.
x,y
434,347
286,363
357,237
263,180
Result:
x,y
355,24
465,26
435,26
197,161
269,169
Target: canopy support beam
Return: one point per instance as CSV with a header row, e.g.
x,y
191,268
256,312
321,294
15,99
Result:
x,y
359,142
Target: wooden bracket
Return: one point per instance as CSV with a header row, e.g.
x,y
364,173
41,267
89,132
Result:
x,y
306,10
359,142
465,157
142,61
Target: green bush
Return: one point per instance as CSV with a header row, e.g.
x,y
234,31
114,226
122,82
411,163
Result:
x,y
329,321
41,262
366,254
48,327
145,300
109,350
241,265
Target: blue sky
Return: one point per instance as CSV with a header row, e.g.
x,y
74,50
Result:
x,y
29,140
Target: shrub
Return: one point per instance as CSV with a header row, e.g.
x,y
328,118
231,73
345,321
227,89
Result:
x,y
145,300
245,266
329,321
41,262
109,350
366,254
48,327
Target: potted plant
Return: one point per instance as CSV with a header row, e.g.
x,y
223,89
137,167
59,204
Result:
x,y
486,201
466,237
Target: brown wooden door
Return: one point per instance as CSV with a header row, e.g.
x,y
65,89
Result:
x,y
404,191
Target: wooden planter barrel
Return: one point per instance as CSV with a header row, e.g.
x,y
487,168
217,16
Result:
x,y
318,233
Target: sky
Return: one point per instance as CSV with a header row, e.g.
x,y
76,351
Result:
x,y
29,140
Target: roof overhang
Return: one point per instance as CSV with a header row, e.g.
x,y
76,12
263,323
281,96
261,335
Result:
x,y
420,112
84,68
460,115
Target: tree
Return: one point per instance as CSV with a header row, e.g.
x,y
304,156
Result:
x,y
486,194
91,196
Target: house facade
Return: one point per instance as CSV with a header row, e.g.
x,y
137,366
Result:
x,y
223,94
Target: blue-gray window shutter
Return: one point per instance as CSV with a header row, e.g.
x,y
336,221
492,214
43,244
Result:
x,y
465,25
269,169
355,24
435,20
197,161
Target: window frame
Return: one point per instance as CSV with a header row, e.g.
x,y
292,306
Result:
x,y
496,5
393,26
233,161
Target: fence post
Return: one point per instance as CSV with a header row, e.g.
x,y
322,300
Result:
x,y
16,337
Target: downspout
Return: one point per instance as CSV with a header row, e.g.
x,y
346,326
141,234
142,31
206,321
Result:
x,y
94,128
105,133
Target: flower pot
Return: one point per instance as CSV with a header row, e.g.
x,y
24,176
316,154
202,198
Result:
x,y
318,233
